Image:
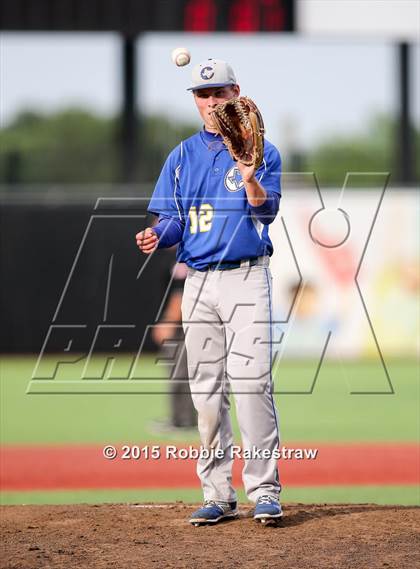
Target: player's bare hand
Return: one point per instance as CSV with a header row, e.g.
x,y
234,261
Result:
x,y
147,241
247,172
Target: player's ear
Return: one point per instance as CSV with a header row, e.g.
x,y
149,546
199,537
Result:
x,y
236,90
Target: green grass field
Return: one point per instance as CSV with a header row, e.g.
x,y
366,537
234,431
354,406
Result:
x,y
402,495
330,414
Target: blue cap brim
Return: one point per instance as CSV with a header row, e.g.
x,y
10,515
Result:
x,y
209,86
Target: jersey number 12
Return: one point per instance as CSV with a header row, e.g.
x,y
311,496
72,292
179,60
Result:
x,y
201,221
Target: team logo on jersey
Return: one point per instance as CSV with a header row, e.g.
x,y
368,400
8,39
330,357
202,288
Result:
x,y
233,180
207,73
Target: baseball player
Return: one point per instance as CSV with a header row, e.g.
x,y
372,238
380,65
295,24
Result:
x,y
183,413
219,212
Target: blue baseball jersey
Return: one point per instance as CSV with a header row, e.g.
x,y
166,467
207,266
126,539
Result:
x,y
201,192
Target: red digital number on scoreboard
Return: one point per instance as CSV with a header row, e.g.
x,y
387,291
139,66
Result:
x,y
238,15
254,15
200,16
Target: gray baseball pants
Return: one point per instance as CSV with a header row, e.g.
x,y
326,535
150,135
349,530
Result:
x,y
227,324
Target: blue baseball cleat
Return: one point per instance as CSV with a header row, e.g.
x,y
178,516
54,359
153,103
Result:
x,y
213,511
267,510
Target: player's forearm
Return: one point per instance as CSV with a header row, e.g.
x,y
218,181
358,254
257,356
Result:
x,y
264,205
255,192
169,231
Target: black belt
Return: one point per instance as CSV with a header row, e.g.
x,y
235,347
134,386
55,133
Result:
x,y
228,265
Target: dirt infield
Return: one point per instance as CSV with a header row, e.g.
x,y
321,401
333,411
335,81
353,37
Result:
x,y
131,536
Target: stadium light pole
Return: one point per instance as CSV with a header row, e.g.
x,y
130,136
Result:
x,y
404,151
129,119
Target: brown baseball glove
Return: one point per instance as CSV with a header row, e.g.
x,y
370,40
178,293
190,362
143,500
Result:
x,y
241,125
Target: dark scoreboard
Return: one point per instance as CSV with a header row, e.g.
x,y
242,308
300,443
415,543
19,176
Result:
x,y
131,17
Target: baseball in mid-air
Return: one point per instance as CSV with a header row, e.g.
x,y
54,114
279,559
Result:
x,y
181,56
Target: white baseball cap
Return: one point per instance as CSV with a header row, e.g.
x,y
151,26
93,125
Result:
x,y
212,73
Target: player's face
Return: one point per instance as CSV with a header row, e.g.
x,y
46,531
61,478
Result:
x,y
207,99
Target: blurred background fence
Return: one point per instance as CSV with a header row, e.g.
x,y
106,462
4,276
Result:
x,y
65,258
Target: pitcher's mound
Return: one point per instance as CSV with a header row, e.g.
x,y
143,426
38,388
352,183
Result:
x,y
155,535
